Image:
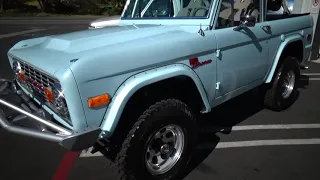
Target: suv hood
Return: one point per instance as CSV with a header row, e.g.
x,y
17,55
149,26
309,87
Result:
x,y
56,52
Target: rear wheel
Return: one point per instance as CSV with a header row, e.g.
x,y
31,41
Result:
x,y
283,90
160,144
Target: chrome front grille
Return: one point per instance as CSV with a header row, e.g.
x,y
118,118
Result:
x,y
36,82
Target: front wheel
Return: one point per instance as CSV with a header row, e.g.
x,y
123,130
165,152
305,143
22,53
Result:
x,y
283,91
160,144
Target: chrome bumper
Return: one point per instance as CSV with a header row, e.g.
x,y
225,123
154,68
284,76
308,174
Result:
x,y
35,122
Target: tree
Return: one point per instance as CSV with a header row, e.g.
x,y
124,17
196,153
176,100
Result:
x,y
1,5
45,4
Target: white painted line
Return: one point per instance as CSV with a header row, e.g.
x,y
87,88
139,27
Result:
x,y
316,61
19,33
88,154
276,126
311,74
269,127
277,142
239,144
255,143
311,79
314,79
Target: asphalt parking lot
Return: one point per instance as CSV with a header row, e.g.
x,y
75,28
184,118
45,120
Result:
x,y
262,145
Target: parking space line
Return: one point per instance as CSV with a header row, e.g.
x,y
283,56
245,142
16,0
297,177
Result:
x,y
88,154
268,143
239,144
314,79
276,126
310,79
316,61
311,74
20,33
256,142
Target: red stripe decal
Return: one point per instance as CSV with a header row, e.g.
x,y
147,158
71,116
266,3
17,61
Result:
x,y
66,165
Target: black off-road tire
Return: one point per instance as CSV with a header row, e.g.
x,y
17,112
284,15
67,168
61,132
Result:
x,y
273,98
130,162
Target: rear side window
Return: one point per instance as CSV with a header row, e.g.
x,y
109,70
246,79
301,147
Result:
x,y
278,9
232,10
185,3
275,7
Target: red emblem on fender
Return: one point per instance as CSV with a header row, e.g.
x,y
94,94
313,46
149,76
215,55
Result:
x,y
194,62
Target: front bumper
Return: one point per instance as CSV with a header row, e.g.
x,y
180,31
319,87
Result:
x,y
30,120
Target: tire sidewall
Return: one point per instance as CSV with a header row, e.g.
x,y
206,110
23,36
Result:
x,y
290,63
153,123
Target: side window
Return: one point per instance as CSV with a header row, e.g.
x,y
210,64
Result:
x,y
232,10
148,8
167,8
160,8
185,3
194,8
281,9
279,6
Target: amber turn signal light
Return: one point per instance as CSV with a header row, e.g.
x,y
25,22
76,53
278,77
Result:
x,y
49,95
21,76
98,100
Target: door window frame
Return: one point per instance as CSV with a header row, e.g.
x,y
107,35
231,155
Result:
x,y
262,10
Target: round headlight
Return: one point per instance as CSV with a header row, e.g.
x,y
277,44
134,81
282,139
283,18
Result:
x,y
58,89
60,102
16,66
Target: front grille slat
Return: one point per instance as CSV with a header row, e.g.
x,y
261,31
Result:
x,y
43,81
37,76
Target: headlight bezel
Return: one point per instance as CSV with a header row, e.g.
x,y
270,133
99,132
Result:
x,y
16,66
60,101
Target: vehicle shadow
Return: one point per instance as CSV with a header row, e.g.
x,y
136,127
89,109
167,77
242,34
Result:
x,y
304,82
221,120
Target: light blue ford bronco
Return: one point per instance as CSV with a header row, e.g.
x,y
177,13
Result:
x,y
134,91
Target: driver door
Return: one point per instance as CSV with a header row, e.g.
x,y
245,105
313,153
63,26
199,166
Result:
x,y
242,55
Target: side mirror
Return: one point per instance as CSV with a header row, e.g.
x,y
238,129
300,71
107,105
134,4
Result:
x,y
246,21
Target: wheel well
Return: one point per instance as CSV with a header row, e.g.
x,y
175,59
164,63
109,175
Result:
x,y
179,87
294,49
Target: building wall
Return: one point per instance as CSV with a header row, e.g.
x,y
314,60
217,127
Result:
x,y
305,6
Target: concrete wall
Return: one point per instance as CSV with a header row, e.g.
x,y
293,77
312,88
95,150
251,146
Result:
x,y
305,6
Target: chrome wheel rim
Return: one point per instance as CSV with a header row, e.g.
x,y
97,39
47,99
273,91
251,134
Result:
x,y
164,149
288,84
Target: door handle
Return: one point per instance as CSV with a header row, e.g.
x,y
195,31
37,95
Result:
x,y
266,27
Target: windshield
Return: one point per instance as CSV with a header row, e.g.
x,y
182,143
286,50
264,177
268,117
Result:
x,y
141,9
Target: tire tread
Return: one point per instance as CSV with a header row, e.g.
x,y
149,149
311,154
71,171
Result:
x,y
120,165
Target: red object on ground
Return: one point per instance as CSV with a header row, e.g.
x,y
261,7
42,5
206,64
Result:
x,y
66,165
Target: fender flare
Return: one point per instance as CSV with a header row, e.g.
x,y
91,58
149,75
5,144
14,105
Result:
x,y
281,48
136,82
